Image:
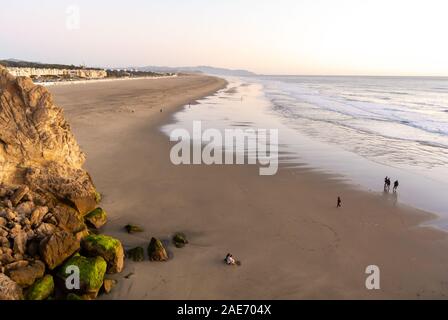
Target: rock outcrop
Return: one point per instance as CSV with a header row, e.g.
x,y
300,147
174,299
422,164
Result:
x,y
37,147
156,250
45,195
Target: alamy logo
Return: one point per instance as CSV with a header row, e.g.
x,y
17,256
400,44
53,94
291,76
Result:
x,y
72,281
73,18
212,147
373,280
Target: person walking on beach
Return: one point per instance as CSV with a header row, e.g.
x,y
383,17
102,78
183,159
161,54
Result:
x,y
396,185
339,203
387,184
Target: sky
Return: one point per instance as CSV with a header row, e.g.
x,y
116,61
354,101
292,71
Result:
x,y
306,37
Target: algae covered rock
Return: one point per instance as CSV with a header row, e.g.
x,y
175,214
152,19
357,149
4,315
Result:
x,y
73,296
98,197
96,218
137,254
180,240
41,289
107,247
133,229
156,250
91,274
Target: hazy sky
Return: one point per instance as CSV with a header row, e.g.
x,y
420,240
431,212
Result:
x,y
375,37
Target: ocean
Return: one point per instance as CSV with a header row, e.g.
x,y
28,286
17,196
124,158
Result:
x,y
361,129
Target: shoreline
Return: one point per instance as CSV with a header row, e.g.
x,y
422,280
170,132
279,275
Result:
x,y
312,153
292,241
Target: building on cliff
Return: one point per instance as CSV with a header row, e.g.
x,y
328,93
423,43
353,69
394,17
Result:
x,y
53,72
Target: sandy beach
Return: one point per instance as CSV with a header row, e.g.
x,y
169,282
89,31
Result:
x,y
292,240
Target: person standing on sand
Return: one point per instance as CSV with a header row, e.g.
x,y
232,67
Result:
x,y
339,203
396,185
385,183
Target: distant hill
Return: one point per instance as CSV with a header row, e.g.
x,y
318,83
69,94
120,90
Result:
x,y
199,69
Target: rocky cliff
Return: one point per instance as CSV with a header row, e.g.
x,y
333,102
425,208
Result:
x,y
47,201
37,147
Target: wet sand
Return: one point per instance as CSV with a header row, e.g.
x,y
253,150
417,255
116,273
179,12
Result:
x,y
292,240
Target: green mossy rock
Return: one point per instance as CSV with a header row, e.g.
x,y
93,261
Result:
x,y
107,247
91,273
133,229
136,254
72,296
41,289
96,218
156,251
98,197
180,240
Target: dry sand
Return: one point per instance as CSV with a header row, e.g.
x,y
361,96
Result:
x,y
292,240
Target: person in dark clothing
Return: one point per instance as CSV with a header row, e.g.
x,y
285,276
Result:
x,y
396,185
339,203
387,184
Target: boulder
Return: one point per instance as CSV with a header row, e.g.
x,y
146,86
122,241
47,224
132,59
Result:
x,y
41,289
156,250
73,296
38,215
107,247
58,247
19,194
68,219
20,240
4,232
3,222
108,285
27,275
91,274
45,230
97,218
180,240
16,265
137,254
9,290
6,258
82,234
25,208
133,229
